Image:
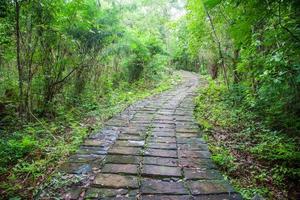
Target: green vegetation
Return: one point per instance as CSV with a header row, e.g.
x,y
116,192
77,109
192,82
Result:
x,y
250,107
30,156
256,158
67,66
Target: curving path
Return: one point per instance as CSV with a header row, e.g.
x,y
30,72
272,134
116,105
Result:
x,y
152,150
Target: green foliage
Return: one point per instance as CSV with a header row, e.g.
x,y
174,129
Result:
x,y
137,61
223,159
29,154
14,148
146,58
78,63
180,52
254,47
274,146
257,159
261,53
249,193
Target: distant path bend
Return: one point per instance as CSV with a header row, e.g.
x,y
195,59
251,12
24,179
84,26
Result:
x,y
152,150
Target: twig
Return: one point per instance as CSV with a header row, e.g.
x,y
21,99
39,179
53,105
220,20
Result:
x,y
42,125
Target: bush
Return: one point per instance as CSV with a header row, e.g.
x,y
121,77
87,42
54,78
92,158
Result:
x,y
244,145
15,147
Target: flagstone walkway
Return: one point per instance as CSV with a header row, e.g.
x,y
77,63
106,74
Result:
x,y
151,151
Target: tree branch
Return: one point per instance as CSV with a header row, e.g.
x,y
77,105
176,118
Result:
x,y
282,26
66,77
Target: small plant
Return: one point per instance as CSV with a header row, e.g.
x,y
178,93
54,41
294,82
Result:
x,y
257,159
222,157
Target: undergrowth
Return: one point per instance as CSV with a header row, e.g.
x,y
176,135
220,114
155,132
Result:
x,y
257,159
31,154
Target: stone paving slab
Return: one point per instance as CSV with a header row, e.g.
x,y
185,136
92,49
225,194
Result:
x,y
201,174
73,193
163,139
160,161
230,196
125,150
93,192
162,128
92,150
169,146
163,134
190,141
196,163
152,150
94,142
120,169
161,153
115,181
76,168
130,143
193,147
161,171
160,125
152,186
130,137
85,158
123,159
186,135
209,187
167,197
193,154
186,130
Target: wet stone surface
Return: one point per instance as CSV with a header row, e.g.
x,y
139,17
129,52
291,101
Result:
x,y
161,153
123,159
167,140
196,163
229,196
120,168
73,193
167,197
103,192
115,181
152,186
152,150
198,174
170,146
209,187
161,171
130,143
173,162
125,150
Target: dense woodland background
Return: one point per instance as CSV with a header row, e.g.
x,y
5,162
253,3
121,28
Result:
x,y
251,111
66,66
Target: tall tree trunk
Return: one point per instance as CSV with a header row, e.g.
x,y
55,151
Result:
x,y
214,71
217,40
20,68
80,82
236,77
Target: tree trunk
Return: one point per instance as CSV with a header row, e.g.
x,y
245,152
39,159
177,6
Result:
x,y
80,81
217,40
214,71
236,78
19,66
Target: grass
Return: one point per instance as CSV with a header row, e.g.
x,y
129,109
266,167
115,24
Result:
x,y
255,158
31,155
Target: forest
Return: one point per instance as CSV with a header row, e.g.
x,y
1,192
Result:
x,y
67,66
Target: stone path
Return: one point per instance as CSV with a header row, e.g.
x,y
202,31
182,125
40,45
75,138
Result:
x,y
152,150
